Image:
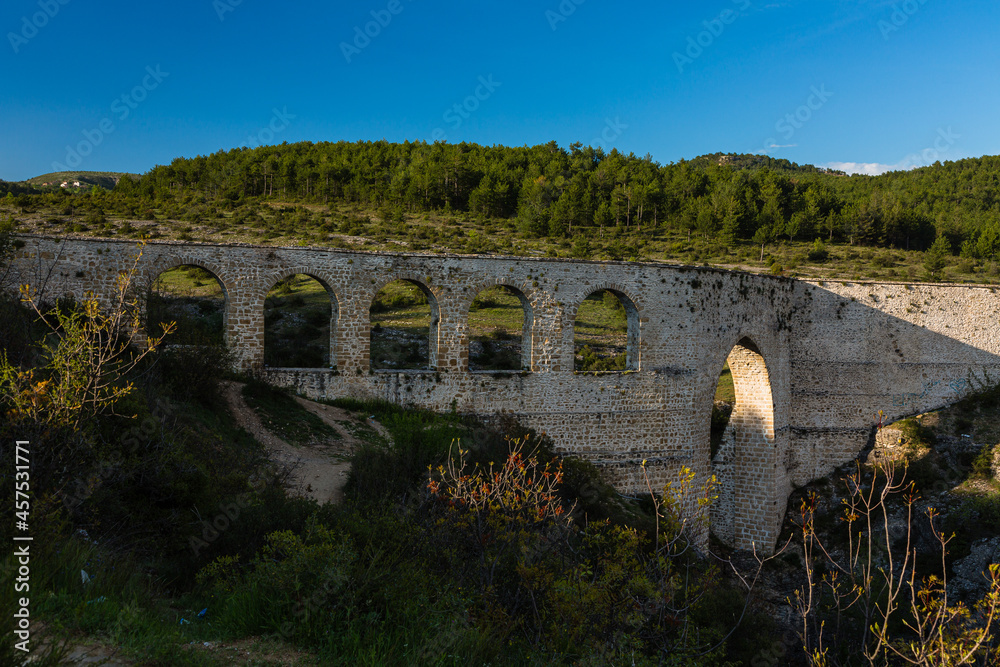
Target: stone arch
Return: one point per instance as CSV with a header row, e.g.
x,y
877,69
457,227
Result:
x,y
274,277
633,319
434,334
522,292
153,271
743,464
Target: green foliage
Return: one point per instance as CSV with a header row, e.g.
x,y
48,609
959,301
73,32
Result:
x,y
601,331
982,466
84,362
8,228
590,361
381,470
284,416
398,295
581,248
592,591
936,258
818,252
867,597
546,192
297,315
916,433
288,569
977,516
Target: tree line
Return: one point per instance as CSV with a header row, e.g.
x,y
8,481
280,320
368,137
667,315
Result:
x,y
555,192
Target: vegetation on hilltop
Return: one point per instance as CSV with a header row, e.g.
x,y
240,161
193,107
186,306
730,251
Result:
x,y
87,179
553,192
748,211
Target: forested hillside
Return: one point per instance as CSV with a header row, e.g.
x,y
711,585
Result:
x,y
554,192
749,212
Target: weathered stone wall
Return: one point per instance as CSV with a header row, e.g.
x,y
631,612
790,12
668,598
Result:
x,y
861,347
810,365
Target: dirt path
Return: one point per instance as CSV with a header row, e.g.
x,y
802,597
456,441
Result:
x,y
317,471
336,417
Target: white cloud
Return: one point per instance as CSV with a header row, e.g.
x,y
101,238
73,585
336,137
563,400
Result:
x,y
867,168
771,147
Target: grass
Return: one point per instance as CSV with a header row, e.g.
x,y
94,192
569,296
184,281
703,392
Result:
x,y
722,409
401,319
119,605
348,226
725,392
493,309
188,281
192,298
297,314
496,326
285,417
600,333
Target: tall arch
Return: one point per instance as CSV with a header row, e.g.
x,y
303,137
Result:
x,y
631,337
743,464
308,306
191,294
164,264
433,329
505,292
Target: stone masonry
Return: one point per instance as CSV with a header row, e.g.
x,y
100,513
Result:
x,y
811,362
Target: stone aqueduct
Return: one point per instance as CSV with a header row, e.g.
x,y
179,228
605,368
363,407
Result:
x,y
812,362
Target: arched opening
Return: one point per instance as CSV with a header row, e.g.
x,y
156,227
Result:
x,y
741,454
500,321
404,319
606,333
299,324
722,407
195,299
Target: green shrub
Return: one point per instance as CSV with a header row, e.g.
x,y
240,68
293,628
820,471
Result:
x,y
982,466
590,361
818,252
268,594
284,416
916,433
382,471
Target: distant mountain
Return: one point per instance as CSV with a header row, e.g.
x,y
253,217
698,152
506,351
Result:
x,y
86,179
740,161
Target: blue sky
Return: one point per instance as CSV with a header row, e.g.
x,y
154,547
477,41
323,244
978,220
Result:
x,y
868,86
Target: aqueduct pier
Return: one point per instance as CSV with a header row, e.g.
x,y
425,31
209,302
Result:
x,y
812,362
